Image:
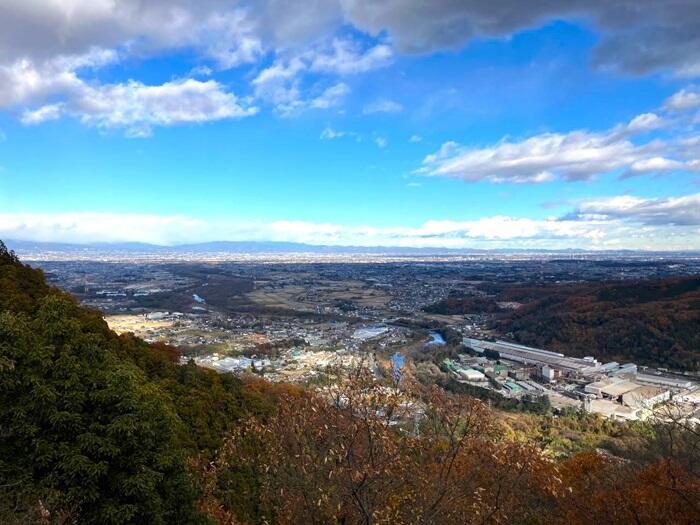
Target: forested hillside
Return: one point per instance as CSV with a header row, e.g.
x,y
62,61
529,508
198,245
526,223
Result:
x,y
97,428
655,322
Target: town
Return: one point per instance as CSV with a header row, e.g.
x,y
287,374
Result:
x,y
297,318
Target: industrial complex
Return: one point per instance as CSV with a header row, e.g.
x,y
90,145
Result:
x,y
619,391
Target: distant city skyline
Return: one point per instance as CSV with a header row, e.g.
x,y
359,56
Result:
x,y
403,123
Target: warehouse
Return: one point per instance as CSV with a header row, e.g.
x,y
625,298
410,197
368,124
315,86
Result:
x,y
534,356
645,397
611,389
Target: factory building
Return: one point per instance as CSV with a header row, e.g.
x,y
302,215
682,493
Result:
x,y
470,374
623,399
586,366
645,397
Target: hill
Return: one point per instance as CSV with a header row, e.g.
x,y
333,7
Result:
x,y
97,428
653,322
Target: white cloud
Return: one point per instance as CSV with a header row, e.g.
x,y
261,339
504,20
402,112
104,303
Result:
x,y
137,108
616,222
415,139
382,106
572,156
346,57
685,99
329,133
43,114
97,227
235,33
201,71
645,122
282,84
380,141
133,106
23,82
45,44
290,102
230,39
658,164
331,96
280,72
41,65
279,84
664,211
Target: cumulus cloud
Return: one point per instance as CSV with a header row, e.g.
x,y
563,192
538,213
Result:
x,y
572,156
45,45
23,82
645,122
577,155
685,99
137,108
132,105
662,211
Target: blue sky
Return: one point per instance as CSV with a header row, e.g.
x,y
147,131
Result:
x,y
351,122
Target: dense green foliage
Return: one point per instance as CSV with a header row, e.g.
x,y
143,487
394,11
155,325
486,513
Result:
x,y
94,427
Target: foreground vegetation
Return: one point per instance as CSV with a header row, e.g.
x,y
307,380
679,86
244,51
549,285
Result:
x,y
100,428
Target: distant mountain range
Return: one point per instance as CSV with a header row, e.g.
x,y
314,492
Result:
x,y
272,247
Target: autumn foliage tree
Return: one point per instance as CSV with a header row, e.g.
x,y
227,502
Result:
x,y
364,453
